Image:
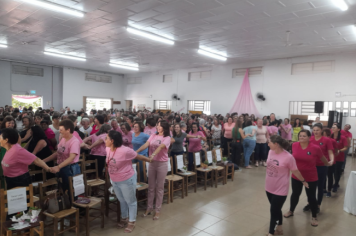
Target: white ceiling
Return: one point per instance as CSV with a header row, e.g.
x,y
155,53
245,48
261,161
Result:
x,y
247,30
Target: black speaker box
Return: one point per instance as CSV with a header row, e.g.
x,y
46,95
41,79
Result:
x,y
319,107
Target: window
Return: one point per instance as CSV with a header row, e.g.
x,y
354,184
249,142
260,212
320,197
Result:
x,y
203,106
25,70
98,78
307,108
167,78
353,109
342,106
163,105
134,80
201,75
97,103
242,71
312,67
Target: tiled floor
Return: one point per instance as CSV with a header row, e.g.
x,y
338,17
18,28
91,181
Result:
x,y
238,208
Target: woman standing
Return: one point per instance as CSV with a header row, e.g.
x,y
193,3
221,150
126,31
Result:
x,y
98,122
279,165
273,128
130,121
119,162
86,128
139,138
151,126
249,142
25,134
16,160
194,144
331,169
297,127
306,155
341,145
227,133
286,130
262,138
236,144
126,135
209,124
55,125
158,148
216,132
327,149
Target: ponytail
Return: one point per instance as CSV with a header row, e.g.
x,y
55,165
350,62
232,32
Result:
x,y
280,141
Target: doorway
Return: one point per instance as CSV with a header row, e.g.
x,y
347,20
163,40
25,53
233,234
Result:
x,y
129,105
21,101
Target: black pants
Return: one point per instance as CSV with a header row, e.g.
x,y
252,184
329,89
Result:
x,y
276,210
19,181
101,163
261,152
322,173
338,172
226,149
331,172
236,152
297,188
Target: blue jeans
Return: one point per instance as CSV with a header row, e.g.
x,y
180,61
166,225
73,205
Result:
x,y
142,179
249,146
346,153
261,151
65,172
322,172
126,193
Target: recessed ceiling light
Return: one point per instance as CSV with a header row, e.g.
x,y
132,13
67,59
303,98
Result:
x,y
212,55
341,4
55,7
150,36
65,56
124,66
3,46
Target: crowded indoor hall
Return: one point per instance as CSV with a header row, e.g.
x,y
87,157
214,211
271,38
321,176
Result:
x,y
177,117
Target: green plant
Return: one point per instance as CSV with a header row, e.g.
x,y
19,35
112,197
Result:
x,y
184,168
215,161
206,162
34,208
224,159
18,215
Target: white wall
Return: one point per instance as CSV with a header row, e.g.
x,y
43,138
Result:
x,y
277,84
20,84
75,88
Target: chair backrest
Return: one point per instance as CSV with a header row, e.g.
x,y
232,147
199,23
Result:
x,y
52,183
89,171
137,168
209,156
197,159
33,171
179,162
170,166
218,154
71,187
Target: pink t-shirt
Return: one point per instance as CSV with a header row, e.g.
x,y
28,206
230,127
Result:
x,y
228,130
75,134
65,148
272,130
118,130
127,139
261,135
50,134
16,161
155,141
195,143
149,131
278,171
285,135
120,163
98,150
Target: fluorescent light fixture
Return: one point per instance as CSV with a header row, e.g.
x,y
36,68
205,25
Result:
x,y
3,46
65,56
220,53
341,4
213,55
55,7
124,66
150,36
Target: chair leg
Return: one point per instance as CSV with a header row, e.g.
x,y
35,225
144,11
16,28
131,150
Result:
x,y
169,191
233,173
186,185
102,213
107,202
211,179
172,190
205,179
196,183
9,233
118,211
55,226
216,178
87,221
183,187
77,222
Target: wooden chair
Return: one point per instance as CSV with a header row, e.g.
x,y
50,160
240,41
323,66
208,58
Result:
x,y
180,162
37,227
59,216
141,187
107,196
218,155
94,202
92,183
218,171
353,147
201,171
167,184
174,181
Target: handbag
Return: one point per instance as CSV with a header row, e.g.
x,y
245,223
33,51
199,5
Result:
x,y
57,201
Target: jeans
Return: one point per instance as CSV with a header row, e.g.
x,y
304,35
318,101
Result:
x,y
65,172
174,163
322,172
261,152
276,210
125,192
19,181
297,188
157,173
346,153
236,152
249,146
338,172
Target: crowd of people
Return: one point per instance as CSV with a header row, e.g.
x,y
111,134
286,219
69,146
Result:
x,y
53,140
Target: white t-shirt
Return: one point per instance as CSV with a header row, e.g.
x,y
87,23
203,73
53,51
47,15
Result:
x,y
86,131
216,132
306,127
56,132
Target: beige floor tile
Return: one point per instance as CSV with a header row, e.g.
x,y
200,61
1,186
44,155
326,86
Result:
x,y
218,209
197,219
173,227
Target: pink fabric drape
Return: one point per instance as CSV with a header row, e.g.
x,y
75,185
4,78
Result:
x,y
26,99
244,102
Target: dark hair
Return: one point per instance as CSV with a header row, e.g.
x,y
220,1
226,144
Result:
x,y
320,126
67,124
140,125
127,126
45,121
104,129
100,118
165,126
248,123
286,119
30,120
295,123
327,131
339,133
56,115
174,130
7,119
177,119
283,143
150,121
72,118
11,135
305,122
116,137
304,131
130,118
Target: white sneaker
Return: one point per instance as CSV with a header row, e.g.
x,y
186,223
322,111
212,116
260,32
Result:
x,y
256,164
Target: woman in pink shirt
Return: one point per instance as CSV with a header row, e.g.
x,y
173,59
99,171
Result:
x,y
227,133
279,165
195,145
158,150
96,142
286,129
98,122
16,160
126,135
151,126
119,162
262,137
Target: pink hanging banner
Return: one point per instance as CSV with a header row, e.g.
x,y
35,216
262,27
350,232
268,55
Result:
x,y
244,102
26,99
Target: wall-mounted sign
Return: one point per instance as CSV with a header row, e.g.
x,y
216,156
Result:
x,y
116,102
